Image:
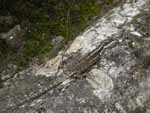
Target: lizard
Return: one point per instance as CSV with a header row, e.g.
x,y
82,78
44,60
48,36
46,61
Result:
x,y
79,64
74,68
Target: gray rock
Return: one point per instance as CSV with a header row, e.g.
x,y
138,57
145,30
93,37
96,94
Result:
x,y
115,84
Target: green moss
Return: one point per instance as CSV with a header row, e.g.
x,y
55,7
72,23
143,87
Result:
x,y
110,1
51,18
65,18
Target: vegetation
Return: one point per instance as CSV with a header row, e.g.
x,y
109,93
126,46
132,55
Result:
x,y
44,19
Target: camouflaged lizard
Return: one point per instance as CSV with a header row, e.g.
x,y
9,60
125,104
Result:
x,y
79,64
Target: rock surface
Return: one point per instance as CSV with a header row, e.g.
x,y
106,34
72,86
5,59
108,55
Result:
x,y
118,83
